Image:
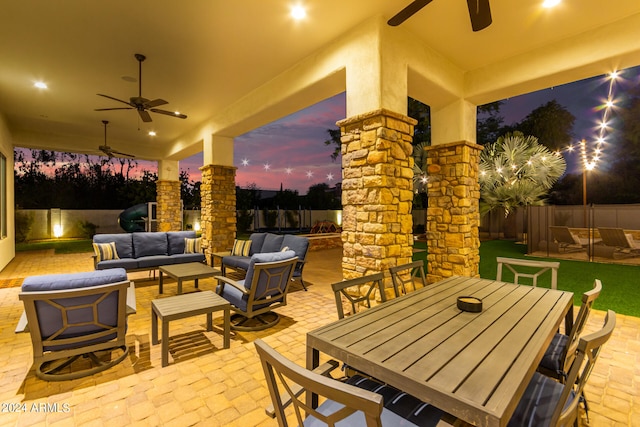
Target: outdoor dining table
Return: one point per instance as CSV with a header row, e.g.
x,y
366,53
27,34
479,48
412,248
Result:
x,y
474,366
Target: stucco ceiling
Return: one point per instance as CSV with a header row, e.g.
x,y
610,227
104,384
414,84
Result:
x,y
204,55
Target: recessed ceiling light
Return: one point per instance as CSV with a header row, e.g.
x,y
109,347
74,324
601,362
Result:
x,y
152,133
298,12
550,3
40,85
177,113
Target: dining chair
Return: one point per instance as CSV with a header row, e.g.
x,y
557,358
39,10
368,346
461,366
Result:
x,y
358,298
559,355
342,403
524,268
547,402
404,277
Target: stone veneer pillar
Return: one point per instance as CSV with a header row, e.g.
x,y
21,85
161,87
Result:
x,y
377,192
218,208
453,213
169,209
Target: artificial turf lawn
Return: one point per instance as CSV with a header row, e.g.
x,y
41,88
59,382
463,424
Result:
x,y
620,283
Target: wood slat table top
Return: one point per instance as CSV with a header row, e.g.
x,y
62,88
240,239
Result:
x,y
473,365
187,305
189,271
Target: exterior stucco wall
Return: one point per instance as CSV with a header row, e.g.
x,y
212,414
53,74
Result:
x,y
7,244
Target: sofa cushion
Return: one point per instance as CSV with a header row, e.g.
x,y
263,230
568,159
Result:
x,y
56,282
257,240
126,263
265,257
105,251
123,241
153,261
149,244
193,246
183,258
272,243
241,247
297,244
176,240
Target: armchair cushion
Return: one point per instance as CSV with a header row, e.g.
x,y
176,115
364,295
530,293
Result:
x,y
257,240
297,244
148,244
56,282
265,257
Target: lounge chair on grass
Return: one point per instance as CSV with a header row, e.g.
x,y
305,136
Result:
x,y
568,241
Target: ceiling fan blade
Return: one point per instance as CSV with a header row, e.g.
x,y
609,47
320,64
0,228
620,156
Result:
x,y
169,113
407,12
115,99
480,14
109,109
120,153
144,115
155,103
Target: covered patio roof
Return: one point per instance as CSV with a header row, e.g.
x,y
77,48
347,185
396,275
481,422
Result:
x,y
234,66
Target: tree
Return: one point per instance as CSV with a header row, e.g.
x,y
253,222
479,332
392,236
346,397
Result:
x,y
490,123
551,123
517,171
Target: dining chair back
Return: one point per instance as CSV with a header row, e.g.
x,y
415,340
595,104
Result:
x,y
547,402
358,292
405,276
528,268
342,403
559,355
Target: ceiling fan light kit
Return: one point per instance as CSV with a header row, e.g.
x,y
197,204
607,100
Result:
x,y
141,104
479,13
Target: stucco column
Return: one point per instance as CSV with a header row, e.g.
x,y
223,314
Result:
x,y
377,192
169,210
453,214
218,196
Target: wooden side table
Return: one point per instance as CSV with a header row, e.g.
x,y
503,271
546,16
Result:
x,y
188,271
183,306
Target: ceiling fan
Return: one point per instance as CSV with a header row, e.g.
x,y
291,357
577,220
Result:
x,y
143,105
479,12
107,150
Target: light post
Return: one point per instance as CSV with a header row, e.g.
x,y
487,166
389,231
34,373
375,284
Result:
x,y
587,167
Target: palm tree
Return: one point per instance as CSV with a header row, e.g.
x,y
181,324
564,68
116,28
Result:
x,y
517,171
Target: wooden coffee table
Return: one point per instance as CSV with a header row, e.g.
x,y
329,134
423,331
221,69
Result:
x,y
188,271
182,306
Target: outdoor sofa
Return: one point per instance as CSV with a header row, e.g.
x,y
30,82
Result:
x,y
145,250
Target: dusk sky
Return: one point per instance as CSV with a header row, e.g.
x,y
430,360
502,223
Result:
x,y
291,151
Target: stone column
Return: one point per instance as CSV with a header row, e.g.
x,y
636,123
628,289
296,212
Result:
x,y
453,214
169,210
377,192
218,208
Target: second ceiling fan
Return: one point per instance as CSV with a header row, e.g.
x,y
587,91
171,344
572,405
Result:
x,y
142,104
479,12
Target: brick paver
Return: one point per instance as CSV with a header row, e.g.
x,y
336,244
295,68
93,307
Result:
x,y
214,386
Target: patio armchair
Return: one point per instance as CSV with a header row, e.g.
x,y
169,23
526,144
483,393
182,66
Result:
x,y
616,244
358,404
264,288
73,315
356,298
559,356
404,277
528,268
547,402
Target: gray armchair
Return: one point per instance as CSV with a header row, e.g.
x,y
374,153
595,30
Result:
x,y
73,315
264,288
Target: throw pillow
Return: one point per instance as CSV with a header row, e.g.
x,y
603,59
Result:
x,y
285,249
105,251
241,248
192,246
